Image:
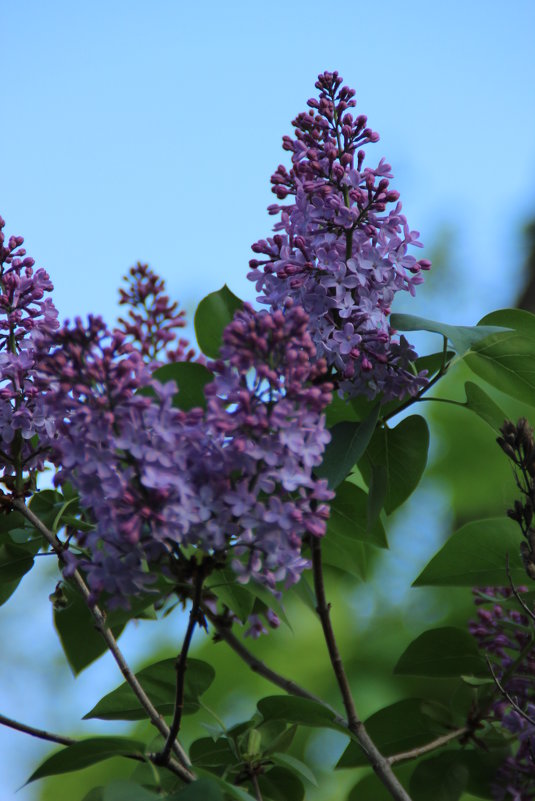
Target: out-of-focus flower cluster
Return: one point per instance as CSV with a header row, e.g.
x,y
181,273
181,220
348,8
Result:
x,y
338,251
26,317
506,636
235,481
152,321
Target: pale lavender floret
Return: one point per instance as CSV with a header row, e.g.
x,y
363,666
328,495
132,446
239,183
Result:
x,y
337,252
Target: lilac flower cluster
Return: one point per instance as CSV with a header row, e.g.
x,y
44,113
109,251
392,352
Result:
x,y
234,481
505,635
340,254
25,318
152,320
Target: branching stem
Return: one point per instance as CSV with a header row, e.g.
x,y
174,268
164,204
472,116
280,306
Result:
x,y
379,763
100,624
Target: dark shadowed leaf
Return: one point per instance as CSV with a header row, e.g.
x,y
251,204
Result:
x,y
159,682
348,518
190,378
228,789
347,445
84,753
447,651
209,753
442,777
479,402
298,710
202,790
402,454
75,626
15,561
213,315
475,556
127,791
394,729
295,765
281,784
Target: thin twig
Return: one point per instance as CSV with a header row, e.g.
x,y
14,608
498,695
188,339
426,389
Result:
x,y
100,624
529,612
42,734
181,666
256,786
379,763
508,696
432,746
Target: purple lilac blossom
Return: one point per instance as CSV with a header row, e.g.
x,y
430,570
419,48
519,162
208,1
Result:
x,y
235,481
504,633
338,252
25,319
152,321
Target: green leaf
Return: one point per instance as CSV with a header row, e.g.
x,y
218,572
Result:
x,y
394,729
298,710
443,777
84,753
46,505
14,563
201,790
340,410
209,753
281,784
479,402
348,517
345,553
190,378
475,556
127,791
213,315
447,651
370,789
507,360
236,597
229,789
433,362
377,492
75,625
402,453
347,445
295,765
159,682
462,337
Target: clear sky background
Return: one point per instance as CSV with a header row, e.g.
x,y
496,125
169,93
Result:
x,y
149,132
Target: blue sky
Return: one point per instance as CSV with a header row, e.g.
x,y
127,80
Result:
x,y
134,133
150,132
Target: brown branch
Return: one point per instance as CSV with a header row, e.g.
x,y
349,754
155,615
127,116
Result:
x,y
508,696
379,763
181,666
100,624
432,746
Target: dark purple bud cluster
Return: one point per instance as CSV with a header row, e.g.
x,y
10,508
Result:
x,y
25,319
234,482
152,321
518,444
340,254
506,636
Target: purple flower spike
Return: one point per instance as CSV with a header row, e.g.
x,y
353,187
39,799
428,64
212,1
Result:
x,y
338,251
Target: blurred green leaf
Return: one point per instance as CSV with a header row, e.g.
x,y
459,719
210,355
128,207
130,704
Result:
x,y
159,682
347,445
402,453
84,753
127,791
15,561
447,651
213,315
201,790
295,765
475,556
236,597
